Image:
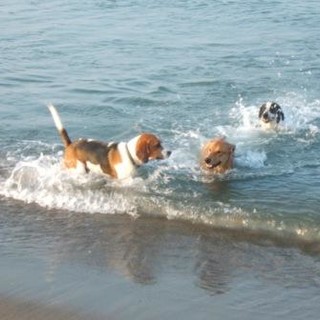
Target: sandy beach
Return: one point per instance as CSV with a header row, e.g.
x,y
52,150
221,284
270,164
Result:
x,y
58,265
16,309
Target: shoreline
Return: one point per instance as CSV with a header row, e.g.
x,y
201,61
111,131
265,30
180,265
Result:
x,y
59,265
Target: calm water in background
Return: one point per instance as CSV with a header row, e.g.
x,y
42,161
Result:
x,y
185,70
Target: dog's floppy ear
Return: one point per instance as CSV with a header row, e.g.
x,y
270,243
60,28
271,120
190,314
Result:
x,y
231,147
262,110
280,116
143,147
143,152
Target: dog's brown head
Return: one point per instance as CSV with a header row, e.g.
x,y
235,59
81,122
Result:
x,y
149,147
217,156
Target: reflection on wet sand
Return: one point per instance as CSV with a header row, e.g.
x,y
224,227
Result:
x,y
118,244
141,250
213,266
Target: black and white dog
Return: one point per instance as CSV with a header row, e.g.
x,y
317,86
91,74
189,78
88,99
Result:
x,y
270,115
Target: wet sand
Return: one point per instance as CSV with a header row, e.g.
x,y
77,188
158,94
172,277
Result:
x,y
15,309
63,265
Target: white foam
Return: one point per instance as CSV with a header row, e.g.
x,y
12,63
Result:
x,y
249,151
44,182
251,159
299,114
251,140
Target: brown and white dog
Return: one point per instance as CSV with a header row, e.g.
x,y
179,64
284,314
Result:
x,y
117,160
217,156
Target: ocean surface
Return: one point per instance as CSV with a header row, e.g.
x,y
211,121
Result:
x,y
187,71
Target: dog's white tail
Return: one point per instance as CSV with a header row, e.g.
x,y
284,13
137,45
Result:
x,y
57,121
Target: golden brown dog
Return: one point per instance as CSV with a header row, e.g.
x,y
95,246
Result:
x,y
217,156
117,160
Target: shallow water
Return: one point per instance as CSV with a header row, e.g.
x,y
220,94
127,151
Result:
x,y
185,70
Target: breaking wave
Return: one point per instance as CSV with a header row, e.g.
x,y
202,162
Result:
x,y
174,188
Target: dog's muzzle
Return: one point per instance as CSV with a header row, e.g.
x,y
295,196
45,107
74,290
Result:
x,y
166,154
265,117
209,163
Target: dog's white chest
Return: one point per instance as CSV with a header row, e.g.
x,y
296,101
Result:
x,y
272,125
124,171
125,168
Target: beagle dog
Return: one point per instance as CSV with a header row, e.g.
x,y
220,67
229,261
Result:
x,y
217,156
270,115
117,160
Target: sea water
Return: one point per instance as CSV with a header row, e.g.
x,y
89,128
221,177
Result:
x,y
187,71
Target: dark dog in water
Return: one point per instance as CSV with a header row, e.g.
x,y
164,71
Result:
x,y
270,115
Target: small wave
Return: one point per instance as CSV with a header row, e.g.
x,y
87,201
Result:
x,y
44,182
190,143
163,90
199,83
174,189
299,115
251,159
